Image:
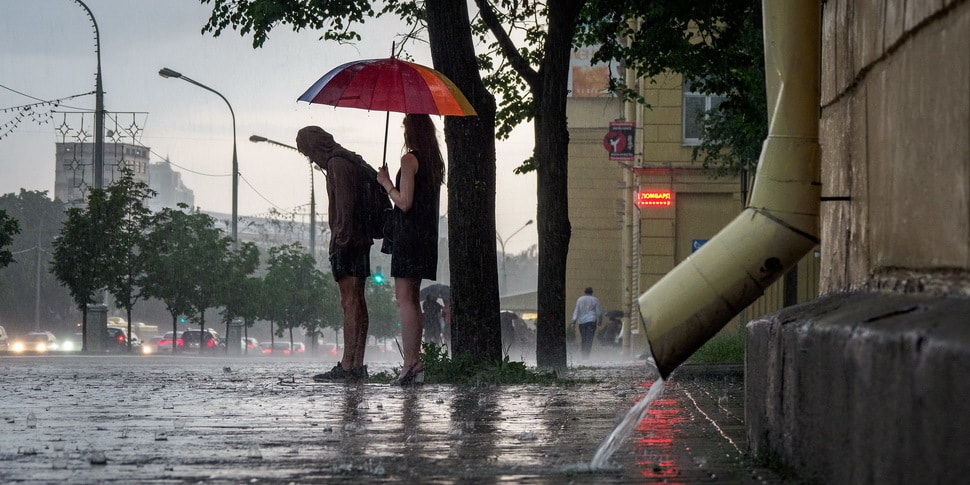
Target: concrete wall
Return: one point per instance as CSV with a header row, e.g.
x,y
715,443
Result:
x,y
869,383
862,388
895,136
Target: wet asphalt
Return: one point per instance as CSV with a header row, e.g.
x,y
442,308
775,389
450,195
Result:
x,y
258,420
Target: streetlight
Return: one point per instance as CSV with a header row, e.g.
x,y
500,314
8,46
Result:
x,y
502,242
166,73
313,199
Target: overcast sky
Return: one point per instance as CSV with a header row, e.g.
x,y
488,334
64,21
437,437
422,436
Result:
x,y
47,52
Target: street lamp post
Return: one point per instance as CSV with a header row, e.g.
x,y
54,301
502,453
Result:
x,y
501,242
234,226
313,200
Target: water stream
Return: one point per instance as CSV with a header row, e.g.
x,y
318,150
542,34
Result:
x,y
626,427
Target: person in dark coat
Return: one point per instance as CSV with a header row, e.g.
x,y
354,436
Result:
x,y
349,245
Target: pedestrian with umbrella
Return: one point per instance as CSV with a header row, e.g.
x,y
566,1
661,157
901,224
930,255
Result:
x,y
395,85
413,244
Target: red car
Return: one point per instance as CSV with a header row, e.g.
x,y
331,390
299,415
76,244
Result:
x,y
165,342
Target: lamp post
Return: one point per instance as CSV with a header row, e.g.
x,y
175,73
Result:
x,y
313,199
98,108
501,243
234,226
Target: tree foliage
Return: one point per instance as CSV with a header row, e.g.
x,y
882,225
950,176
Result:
x,y
82,255
181,253
8,228
241,294
298,294
128,219
717,46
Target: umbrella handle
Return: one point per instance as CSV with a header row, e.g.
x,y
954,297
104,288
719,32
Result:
x,y
387,122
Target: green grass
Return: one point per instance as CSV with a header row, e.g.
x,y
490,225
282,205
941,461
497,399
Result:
x,y
724,348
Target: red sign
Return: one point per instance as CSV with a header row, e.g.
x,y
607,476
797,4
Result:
x,y
619,140
655,198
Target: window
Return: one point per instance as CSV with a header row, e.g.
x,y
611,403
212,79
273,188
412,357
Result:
x,y
696,105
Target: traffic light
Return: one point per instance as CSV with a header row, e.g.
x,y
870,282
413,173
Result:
x,y
378,276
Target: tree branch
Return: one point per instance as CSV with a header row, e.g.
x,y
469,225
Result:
x,y
512,55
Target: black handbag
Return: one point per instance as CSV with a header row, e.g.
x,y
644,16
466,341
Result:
x,y
390,225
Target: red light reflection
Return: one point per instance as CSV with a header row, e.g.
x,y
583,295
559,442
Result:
x,y
658,433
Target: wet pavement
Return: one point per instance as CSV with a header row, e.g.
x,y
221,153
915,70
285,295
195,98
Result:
x,y
164,419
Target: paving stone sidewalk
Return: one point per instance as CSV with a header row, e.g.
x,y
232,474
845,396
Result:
x,y
164,419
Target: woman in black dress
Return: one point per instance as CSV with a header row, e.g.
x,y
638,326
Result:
x,y
414,244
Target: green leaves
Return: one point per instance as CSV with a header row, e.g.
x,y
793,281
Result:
x,y
715,45
335,19
8,228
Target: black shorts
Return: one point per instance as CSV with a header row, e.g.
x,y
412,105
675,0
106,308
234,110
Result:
x,y
351,261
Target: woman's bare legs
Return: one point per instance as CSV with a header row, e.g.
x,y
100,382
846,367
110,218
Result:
x,y
406,292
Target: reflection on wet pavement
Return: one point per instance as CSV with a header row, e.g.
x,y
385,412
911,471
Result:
x,y
163,419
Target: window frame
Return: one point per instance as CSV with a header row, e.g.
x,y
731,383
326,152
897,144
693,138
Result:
x,y
710,101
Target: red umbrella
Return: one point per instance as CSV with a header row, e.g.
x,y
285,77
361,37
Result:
x,y
389,85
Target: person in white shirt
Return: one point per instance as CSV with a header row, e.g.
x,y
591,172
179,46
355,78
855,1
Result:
x,y
587,315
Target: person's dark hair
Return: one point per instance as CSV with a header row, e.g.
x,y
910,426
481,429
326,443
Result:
x,y
588,290
420,136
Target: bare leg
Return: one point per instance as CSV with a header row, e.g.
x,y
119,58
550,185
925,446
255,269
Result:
x,y
406,292
363,322
355,321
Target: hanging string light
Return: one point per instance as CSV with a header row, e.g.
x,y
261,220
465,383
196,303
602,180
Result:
x,y
40,113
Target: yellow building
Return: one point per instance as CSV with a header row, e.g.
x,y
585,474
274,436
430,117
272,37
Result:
x,y
638,205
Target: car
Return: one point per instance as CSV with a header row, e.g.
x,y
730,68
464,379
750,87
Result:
x,y
117,341
202,341
167,342
251,343
4,340
280,347
35,342
298,348
330,349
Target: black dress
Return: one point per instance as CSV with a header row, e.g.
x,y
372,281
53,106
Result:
x,y
414,248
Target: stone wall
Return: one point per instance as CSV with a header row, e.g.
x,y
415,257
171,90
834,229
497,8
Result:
x,y
895,136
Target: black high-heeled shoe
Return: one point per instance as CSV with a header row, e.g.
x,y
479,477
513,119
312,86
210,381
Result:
x,y
412,377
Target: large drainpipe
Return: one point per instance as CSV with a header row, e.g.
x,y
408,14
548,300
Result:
x,y
699,296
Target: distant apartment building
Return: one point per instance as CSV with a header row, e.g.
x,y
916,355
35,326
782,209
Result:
x,y
74,173
168,187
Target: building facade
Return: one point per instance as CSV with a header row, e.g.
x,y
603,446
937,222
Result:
x,y
169,189
74,169
638,206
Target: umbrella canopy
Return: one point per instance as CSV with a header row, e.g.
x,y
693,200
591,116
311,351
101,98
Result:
x,y
389,85
436,290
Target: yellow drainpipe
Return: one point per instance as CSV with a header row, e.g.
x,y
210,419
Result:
x,y
698,297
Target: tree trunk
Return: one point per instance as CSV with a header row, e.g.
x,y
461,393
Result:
x,y
552,156
475,328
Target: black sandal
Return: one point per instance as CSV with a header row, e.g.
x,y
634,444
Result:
x,y
412,377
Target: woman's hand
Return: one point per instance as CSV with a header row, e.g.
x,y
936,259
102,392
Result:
x,y
384,179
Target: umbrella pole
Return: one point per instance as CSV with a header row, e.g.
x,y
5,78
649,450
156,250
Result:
x,y
387,122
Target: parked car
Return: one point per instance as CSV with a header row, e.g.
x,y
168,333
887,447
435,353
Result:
x,y
167,340
35,342
4,340
202,341
298,348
